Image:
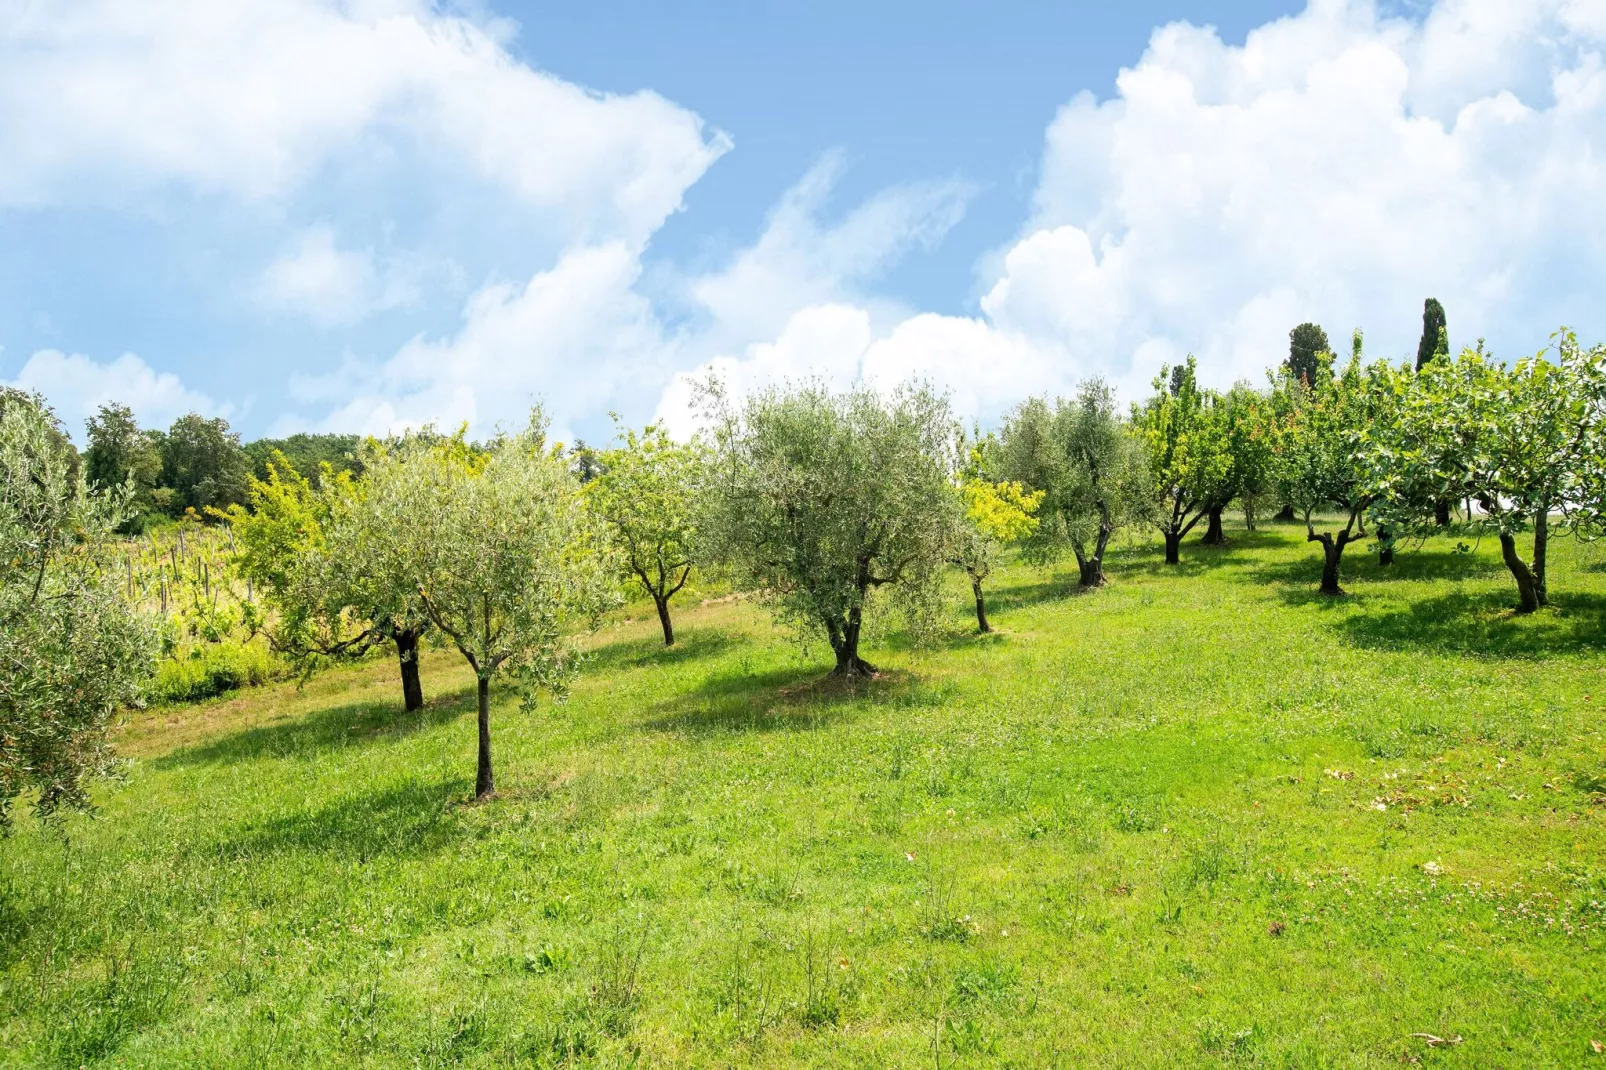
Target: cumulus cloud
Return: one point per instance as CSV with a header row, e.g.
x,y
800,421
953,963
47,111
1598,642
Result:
x,y
103,100
77,387
570,338
580,335
1339,166
330,286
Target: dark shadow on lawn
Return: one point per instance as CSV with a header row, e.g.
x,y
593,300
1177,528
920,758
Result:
x,y
792,699
410,819
322,730
690,645
1484,624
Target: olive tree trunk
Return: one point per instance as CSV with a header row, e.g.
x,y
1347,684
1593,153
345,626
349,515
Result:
x,y
407,657
1214,535
484,782
1385,547
1441,514
981,605
844,635
663,618
1173,547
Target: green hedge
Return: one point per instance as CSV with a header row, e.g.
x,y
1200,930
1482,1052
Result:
x,y
213,668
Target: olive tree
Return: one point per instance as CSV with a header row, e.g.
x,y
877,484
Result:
x,y
1088,466
503,554
647,490
1186,448
72,652
309,549
821,499
993,515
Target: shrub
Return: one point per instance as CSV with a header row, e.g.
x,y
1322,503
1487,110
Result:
x,y
213,668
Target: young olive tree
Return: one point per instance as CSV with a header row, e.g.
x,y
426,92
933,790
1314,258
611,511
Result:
x,y
1088,466
820,499
311,550
504,556
995,515
647,490
72,652
1189,464
1320,459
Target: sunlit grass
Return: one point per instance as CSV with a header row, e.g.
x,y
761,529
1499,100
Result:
x,y
1201,816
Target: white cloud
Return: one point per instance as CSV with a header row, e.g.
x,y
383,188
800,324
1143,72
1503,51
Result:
x,y
579,335
77,386
570,338
104,100
1339,166
329,285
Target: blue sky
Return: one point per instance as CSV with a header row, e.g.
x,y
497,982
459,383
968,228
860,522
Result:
x,y
361,215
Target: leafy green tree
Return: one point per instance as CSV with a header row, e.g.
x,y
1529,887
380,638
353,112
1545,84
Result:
x,y
504,554
118,452
647,489
821,499
309,454
1307,345
1089,467
313,552
1248,419
204,464
1320,459
994,515
1527,453
1435,340
1188,463
72,652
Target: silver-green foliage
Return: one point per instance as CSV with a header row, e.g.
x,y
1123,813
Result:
x,y
501,549
72,652
1088,465
825,500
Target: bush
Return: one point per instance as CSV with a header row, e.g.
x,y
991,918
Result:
x,y
213,668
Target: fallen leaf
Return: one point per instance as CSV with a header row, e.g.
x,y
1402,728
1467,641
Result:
x,y
1276,928
1341,774
1598,1046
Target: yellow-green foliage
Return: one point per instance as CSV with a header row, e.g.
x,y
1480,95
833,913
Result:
x,y
1004,512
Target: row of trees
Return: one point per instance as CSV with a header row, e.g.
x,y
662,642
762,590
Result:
x,y
196,464
834,507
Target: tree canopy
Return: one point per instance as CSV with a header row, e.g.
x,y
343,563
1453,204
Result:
x,y
828,501
72,651
647,489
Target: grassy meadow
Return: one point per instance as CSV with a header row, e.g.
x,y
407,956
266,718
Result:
x,y
1200,817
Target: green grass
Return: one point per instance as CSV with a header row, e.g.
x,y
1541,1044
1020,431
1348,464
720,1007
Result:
x,y
1200,817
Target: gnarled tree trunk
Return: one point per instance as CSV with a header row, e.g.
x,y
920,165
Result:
x,y
1214,535
484,782
844,636
1173,547
1441,514
407,657
981,605
1531,593
1385,546
1332,553
1285,513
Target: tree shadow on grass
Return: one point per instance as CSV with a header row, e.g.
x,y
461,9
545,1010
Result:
x,y
1484,624
410,819
321,730
690,645
785,700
